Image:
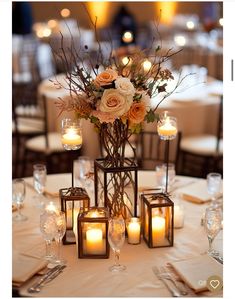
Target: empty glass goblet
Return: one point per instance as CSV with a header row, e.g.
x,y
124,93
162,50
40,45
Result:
x,y
116,238
212,224
214,181
18,195
39,179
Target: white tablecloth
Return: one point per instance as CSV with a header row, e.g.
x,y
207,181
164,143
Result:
x,y
196,110
91,277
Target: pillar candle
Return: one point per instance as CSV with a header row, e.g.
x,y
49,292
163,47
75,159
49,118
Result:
x,y
94,241
133,231
158,230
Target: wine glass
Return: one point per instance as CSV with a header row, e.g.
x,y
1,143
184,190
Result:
x,y
39,179
18,195
214,181
83,168
60,231
48,230
212,224
116,238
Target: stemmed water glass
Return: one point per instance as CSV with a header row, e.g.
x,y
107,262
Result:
x,y
39,179
116,238
18,195
60,231
214,181
212,224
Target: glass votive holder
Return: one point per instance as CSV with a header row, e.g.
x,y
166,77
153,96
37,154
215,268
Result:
x,y
167,127
71,134
178,211
133,226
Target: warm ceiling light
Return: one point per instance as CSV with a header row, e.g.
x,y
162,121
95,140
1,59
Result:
x,y
221,21
65,12
127,37
190,25
180,40
52,23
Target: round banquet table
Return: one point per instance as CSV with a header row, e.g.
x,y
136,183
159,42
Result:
x,y
196,109
91,277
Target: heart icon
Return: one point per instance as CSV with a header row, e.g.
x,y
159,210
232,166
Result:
x,y
214,283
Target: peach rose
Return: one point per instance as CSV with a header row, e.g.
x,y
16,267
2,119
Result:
x,y
104,117
115,103
106,77
137,112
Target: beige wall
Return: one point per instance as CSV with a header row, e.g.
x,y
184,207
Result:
x,y
143,11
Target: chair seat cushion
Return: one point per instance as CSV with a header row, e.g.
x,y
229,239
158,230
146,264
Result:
x,y
202,145
28,126
38,144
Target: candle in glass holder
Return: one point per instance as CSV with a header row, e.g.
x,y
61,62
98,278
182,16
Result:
x,y
167,128
133,230
158,230
71,137
178,216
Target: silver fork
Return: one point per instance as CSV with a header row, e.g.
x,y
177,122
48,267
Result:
x,y
169,276
171,287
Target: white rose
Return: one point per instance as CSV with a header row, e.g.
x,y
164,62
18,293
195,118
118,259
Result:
x,y
124,86
114,102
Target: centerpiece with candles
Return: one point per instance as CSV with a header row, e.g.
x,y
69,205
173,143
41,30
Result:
x,y
114,92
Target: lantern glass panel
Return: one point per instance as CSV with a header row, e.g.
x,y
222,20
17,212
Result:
x,y
116,187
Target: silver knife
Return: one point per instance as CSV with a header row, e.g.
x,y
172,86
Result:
x,y
35,287
174,291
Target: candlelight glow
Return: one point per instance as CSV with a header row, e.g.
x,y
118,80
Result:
x,y
126,60
127,37
52,23
147,65
99,10
190,25
167,11
180,40
65,12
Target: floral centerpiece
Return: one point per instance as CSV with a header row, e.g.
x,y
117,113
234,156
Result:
x,y
114,93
